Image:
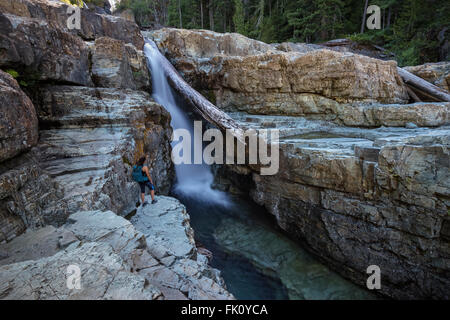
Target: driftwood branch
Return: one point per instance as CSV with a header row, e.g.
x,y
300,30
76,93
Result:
x,y
423,87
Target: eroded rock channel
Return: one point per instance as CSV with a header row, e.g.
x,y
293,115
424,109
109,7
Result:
x,y
364,174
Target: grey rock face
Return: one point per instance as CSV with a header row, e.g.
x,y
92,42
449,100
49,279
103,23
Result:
x,y
238,73
359,196
25,43
104,275
101,133
92,25
182,271
18,120
116,65
166,226
116,260
273,255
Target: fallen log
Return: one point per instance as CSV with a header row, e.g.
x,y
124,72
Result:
x,y
201,105
412,94
418,84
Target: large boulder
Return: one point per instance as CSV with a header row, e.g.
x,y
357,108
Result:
x,y
18,120
93,25
238,73
43,52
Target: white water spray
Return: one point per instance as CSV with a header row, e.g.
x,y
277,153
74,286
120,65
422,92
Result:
x,y
192,180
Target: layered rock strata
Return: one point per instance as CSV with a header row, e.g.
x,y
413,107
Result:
x,y
364,176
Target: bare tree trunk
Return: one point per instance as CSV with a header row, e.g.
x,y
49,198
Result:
x,y
201,12
211,15
179,12
423,87
155,13
363,24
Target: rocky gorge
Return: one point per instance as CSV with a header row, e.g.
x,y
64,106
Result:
x,y
75,119
364,174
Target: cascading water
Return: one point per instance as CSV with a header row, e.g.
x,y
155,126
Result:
x,y
192,180
255,259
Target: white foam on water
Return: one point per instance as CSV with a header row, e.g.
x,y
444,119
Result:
x,y
192,180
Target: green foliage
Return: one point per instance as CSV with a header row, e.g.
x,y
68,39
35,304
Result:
x,y
238,17
415,30
13,73
143,10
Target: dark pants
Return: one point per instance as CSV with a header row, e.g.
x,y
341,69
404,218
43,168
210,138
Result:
x,y
147,184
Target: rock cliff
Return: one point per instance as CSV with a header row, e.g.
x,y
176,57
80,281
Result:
x,y
75,119
364,176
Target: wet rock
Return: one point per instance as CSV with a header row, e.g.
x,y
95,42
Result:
x,y
18,124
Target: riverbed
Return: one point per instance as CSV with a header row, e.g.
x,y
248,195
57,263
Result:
x,y
257,260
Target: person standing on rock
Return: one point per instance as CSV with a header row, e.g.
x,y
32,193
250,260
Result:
x,y
141,174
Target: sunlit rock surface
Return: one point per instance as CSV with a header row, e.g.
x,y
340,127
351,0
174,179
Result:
x,y
436,73
243,74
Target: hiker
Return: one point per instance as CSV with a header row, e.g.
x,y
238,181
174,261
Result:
x,y
141,175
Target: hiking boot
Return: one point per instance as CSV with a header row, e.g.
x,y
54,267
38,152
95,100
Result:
x,y
144,204
154,201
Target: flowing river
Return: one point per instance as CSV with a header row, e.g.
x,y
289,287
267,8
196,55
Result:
x,y
256,259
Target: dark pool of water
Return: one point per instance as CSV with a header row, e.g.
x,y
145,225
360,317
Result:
x,y
238,236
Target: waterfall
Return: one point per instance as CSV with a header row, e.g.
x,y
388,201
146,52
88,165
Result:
x,y
192,180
